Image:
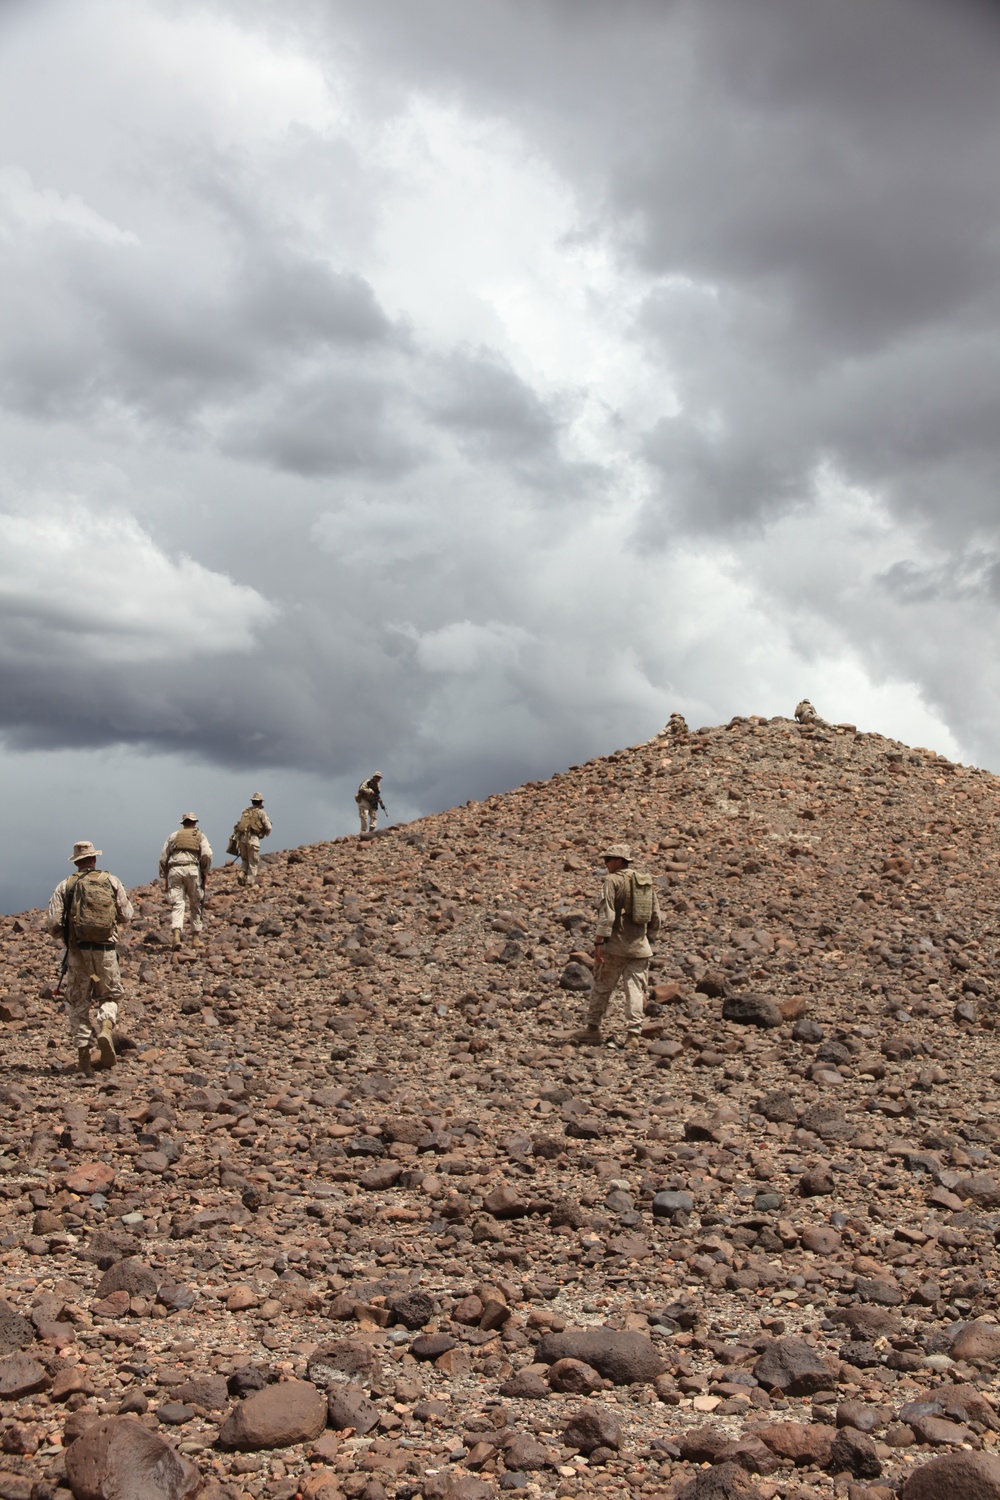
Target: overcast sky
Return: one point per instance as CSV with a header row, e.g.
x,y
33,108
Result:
x,y
459,388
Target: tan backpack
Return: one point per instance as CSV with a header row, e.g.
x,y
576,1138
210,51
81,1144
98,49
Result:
x,y
640,898
91,910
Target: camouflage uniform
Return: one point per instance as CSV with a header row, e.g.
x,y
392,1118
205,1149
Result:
x,y
184,871
249,842
367,797
625,953
92,975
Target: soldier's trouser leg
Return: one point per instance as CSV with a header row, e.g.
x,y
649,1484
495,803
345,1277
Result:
x,y
369,817
251,855
185,890
632,974
176,892
92,978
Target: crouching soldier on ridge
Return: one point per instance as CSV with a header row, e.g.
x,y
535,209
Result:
x,y
85,911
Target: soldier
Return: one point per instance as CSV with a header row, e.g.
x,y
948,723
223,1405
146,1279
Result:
x,y
369,800
185,862
254,825
85,911
806,714
627,911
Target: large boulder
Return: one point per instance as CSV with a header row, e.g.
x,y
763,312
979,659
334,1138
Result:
x,y
593,1426
119,1459
721,1482
15,1332
624,1358
342,1359
130,1276
748,1009
278,1416
853,1452
955,1476
793,1367
20,1375
978,1340
348,1406
802,1442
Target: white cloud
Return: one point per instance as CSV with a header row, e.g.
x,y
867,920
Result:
x,y
75,582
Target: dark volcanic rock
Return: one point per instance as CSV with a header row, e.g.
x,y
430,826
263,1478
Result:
x,y
793,1368
348,1406
15,1332
622,1357
749,1009
593,1426
854,1452
721,1482
119,1459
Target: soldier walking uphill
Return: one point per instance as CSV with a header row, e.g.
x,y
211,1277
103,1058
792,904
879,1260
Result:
x,y
185,861
627,912
85,911
254,825
369,799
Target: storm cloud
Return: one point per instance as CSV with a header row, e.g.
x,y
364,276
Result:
x,y
460,389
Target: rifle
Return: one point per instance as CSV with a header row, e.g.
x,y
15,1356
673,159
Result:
x,y
382,805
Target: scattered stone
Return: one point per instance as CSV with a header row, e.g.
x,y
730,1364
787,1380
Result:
x,y
624,1358
592,1426
293,1411
748,1009
792,1367
119,1459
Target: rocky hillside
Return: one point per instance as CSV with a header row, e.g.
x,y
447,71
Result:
x,y
352,1216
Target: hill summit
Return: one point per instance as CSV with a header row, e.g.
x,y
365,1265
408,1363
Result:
x,y
353,1216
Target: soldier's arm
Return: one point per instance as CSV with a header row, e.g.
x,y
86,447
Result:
x,y
267,826
605,910
122,904
653,925
165,854
54,917
206,854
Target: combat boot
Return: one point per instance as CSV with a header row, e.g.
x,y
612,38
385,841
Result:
x,y
83,1062
106,1045
175,937
589,1037
632,1042
196,940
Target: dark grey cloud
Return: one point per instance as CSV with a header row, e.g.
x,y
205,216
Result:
x,y
712,403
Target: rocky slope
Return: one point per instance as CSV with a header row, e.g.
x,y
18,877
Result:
x,y
335,1222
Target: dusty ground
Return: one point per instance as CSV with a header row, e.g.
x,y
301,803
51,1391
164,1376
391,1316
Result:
x,y
309,1118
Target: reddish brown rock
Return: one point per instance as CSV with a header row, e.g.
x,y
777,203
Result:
x,y
802,1442
293,1411
624,1358
592,1426
955,1476
20,1375
119,1459
90,1177
574,1377
978,1341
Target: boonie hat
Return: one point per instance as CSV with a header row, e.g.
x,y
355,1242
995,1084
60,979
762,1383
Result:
x,y
618,851
257,797
376,776
189,817
83,849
